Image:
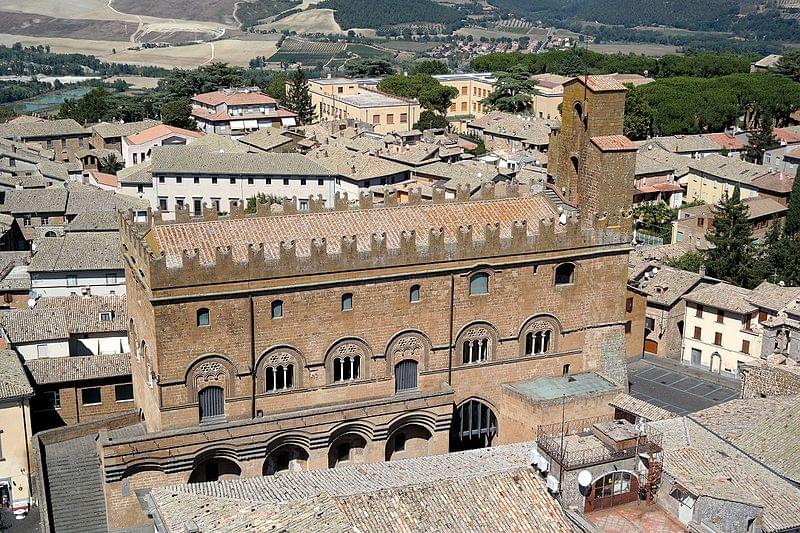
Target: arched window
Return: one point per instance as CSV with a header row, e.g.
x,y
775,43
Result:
x,y
203,317
347,368
565,274
474,426
280,377
405,375
277,309
479,284
578,108
347,301
476,344
538,342
414,294
212,404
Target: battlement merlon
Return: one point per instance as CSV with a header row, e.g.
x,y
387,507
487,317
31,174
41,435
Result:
x,y
469,243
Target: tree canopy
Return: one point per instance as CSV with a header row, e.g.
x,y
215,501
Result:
x,y
431,94
513,92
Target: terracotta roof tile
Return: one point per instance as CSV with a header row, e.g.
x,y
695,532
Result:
x,y
160,130
613,143
172,239
78,368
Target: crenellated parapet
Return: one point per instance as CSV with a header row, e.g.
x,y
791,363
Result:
x,y
323,255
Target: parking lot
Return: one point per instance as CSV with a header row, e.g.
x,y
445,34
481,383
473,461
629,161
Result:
x,y
677,388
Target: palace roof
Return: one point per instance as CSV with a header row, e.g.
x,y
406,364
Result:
x,y
173,239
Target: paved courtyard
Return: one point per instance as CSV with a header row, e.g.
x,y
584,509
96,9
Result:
x,y
677,388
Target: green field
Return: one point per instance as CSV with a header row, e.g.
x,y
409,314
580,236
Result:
x,y
306,52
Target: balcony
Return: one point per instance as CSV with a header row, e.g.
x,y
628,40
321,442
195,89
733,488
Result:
x,y
597,440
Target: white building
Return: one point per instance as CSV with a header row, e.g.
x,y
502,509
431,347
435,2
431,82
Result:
x,y
185,176
78,263
137,148
239,111
64,326
723,324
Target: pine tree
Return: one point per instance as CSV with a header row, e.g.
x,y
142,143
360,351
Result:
x,y
513,92
792,226
761,139
298,98
733,256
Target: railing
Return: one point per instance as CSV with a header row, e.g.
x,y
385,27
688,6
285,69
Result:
x,y
549,439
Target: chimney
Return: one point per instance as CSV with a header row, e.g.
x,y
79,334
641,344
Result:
x,y
702,270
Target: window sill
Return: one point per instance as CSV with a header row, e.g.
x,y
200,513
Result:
x,y
124,401
91,404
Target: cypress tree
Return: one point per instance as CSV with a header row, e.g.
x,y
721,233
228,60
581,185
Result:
x,y
298,98
733,256
792,226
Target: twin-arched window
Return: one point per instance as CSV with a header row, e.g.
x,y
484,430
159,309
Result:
x,y
280,377
538,342
346,368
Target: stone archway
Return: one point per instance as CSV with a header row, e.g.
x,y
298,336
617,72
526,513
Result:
x,y
285,458
215,469
409,440
348,448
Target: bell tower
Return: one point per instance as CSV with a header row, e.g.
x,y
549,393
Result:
x,y
591,160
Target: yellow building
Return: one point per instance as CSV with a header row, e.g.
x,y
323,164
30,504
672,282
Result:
x,y
713,176
15,433
472,88
360,99
342,98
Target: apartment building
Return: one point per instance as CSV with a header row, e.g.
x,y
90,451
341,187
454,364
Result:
x,y
713,176
724,324
65,137
359,99
694,223
472,88
138,147
239,111
185,177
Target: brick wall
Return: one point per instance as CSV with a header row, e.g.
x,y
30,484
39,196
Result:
x,y
313,325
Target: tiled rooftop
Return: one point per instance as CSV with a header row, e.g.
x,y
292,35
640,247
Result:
x,y
33,325
613,143
172,239
492,486
122,129
82,313
192,159
50,370
641,408
708,465
13,381
77,251
45,128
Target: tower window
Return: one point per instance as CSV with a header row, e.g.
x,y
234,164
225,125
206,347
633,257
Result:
x,y
479,284
347,302
277,309
565,274
203,317
414,294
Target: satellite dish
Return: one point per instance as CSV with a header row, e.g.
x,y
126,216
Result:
x,y
584,478
31,303
33,295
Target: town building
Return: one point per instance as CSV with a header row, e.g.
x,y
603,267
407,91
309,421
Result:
x,y
271,140
309,340
79,389
664,288
239,111
25,166
724,324
472,89
766,63
137,147
64,137
79,263
589,144
695,223
693,146
507,131
731,467
198,178
714,176
784,160
344,99
356,171
470,174
109,135
16,474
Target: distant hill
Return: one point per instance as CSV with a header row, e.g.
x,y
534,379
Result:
x,y
707,15
382,13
